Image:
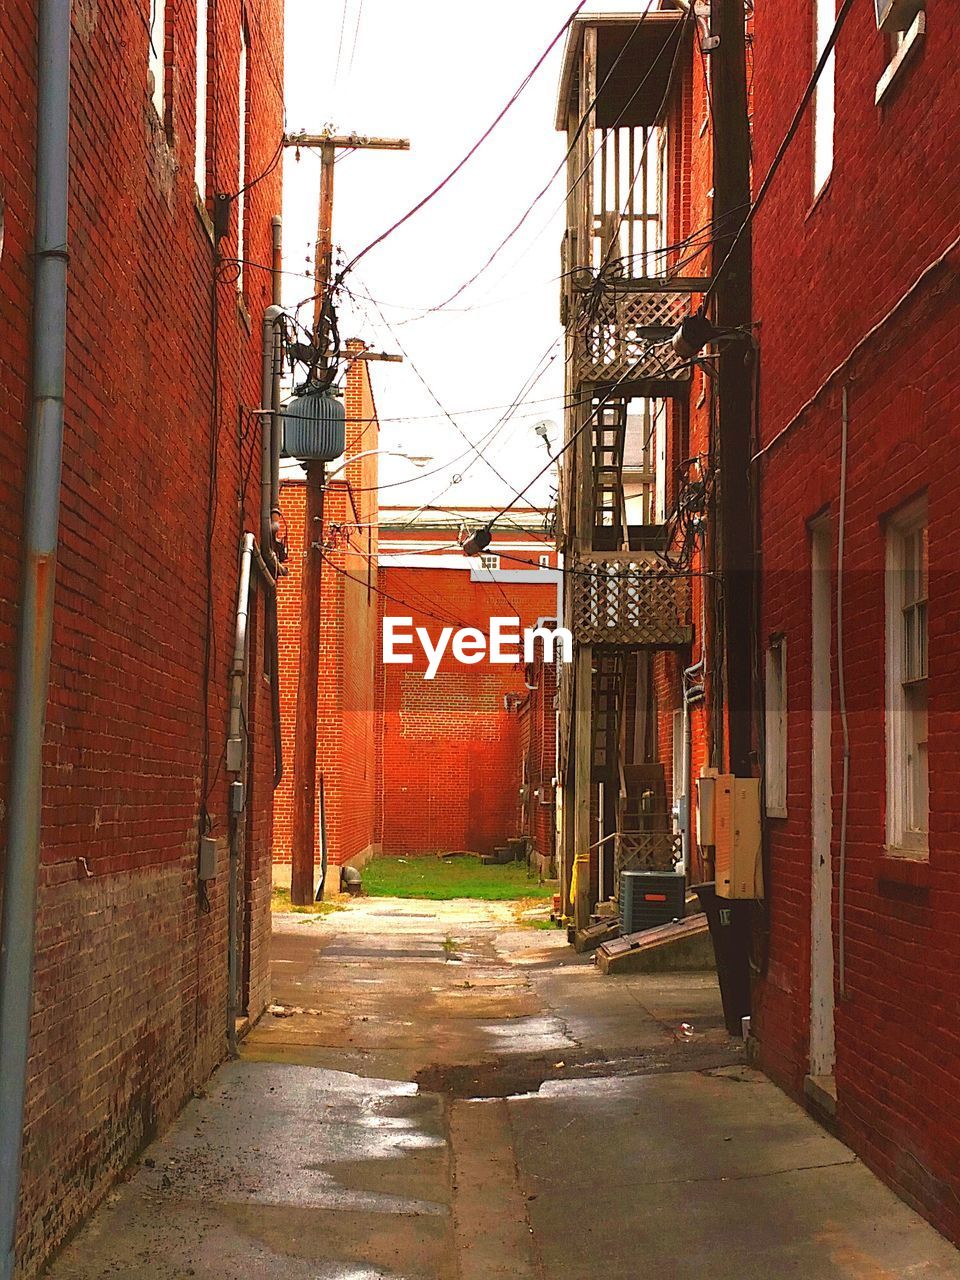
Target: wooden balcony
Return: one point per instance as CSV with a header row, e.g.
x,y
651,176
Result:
x,y
622,331
631,599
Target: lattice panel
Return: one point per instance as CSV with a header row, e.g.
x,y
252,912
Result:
x,y
564,716
646,851
630,599
616,335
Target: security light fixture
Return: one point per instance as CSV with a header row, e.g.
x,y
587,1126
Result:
x,y
477,542
693,335
543,430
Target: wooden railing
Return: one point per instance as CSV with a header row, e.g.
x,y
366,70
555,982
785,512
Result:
x,y
630,598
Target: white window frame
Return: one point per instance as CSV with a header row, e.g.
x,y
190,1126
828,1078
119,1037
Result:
x,y
904,45
490,560
908,804
824,96
775,720
200,135
156,55
545,560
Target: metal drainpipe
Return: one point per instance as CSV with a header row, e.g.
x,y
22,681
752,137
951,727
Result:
x,y
270,494
842,696
40,532
691,693
250,559
268,426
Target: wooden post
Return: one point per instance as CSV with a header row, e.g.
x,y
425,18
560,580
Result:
x,y
734,384
324,249
304,835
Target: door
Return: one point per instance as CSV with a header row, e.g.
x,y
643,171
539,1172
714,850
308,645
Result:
x,y
822,1051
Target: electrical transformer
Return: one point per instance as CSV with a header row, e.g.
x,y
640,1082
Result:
x,y
314,425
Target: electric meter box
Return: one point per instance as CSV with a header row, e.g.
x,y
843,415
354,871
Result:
x,y
314,425
737,843
706,797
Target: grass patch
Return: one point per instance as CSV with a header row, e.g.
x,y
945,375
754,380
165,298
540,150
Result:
x,y
441,879
280,901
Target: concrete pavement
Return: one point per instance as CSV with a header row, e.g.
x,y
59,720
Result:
x,y
440,1094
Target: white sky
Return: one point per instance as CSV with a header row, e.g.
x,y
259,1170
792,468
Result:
x,y
437,72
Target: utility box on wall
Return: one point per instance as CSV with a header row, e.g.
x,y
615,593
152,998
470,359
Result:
x,y
737,837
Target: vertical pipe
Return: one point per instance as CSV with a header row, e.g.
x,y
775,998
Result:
x,y
275,424
40,532
268,480
842,695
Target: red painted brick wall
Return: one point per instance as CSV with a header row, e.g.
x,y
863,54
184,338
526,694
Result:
x,y
346,745
888,211
130,989
451,752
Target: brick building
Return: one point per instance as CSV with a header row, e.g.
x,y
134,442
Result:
x,y
451,752
405,765
856,457
160,480
640,714
349,643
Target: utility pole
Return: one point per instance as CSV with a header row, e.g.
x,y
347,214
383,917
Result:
x,y
304,836
735,372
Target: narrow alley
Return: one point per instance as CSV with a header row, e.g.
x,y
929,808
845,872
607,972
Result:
x,y
443,1092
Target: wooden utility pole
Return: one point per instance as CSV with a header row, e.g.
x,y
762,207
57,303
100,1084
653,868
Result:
x,y
304,835
735,372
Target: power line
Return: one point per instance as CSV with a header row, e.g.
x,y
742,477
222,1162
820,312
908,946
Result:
x,y
433,395
558,170
469,155
784,145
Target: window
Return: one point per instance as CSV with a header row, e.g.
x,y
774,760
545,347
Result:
x,y
200,144
775,753
825,17
904,24
156,51
545,562
242,153
908,801
490,561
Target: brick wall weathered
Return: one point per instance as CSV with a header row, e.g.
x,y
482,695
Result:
x,y
826,272
130,988
346,738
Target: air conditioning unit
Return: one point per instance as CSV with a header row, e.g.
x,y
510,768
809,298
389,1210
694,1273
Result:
x,y
737,841
896,15
649,899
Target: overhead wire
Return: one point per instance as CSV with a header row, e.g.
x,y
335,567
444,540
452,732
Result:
x,y
435,191
788,138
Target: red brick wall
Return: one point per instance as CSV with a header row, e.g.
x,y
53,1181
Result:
x,y
346,743
130,988
451,753
888,211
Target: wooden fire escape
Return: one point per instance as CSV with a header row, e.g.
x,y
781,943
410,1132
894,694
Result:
x,y
619,308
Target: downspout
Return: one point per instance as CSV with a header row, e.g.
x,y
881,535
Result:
x,y
691,693
842,696
269,498
275,423
269,476
39,539
250,559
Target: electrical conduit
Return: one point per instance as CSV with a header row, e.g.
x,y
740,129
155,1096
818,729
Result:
x,y
40,534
